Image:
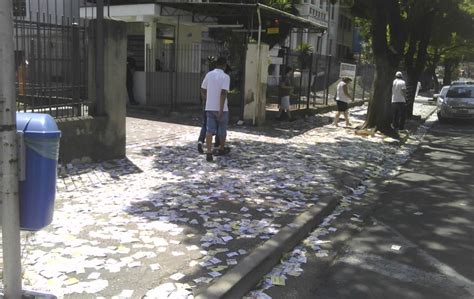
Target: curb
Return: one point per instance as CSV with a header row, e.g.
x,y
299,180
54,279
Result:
x,y
246,274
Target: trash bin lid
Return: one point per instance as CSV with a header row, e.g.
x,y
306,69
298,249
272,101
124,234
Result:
x,y
36,122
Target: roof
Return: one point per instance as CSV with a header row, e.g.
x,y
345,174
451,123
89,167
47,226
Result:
x,y
223,9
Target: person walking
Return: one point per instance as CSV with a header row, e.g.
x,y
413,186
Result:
x,y
285,91
398,102
342,100
202,133
131,66
214,89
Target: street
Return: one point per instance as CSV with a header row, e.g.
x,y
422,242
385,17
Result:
x,y
419,241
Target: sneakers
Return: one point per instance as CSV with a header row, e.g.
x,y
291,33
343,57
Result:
x,y
219,152
200,149
215,152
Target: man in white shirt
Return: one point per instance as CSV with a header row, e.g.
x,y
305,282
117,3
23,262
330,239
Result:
x,y
214,89
398,102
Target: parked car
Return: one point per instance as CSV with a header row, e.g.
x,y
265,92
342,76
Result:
x,y
442,93
457,103
462,82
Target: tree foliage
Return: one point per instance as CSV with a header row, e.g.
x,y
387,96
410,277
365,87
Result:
x,y
400,33
452,39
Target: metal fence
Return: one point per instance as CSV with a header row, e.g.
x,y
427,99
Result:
x,y
174,77
51,57
314,80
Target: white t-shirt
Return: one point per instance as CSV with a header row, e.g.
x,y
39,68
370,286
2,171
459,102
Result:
x,y
340,95
214,82
397,91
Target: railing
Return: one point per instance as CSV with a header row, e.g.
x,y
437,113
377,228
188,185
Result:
x,y
315,78
51,58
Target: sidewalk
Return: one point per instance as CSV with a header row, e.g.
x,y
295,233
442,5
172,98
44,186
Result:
x,y
165,220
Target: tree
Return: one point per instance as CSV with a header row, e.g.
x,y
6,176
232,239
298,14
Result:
x,y
400,32
420,18
387,36
452,40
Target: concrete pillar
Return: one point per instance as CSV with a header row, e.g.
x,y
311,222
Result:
x,y
256,84
150,46
111,133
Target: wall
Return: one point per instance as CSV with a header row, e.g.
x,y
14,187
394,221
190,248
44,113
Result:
x,y
255,106
101,137
80,138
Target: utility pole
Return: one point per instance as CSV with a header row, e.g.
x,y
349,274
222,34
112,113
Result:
x,y
99,56
9,158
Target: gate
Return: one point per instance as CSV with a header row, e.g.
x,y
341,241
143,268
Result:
x,y
178,71
50,57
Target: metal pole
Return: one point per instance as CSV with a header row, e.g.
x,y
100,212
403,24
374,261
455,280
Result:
x,y
9,158
328,49
316,80
355,79
99,65
363,85
242,84
176,64
310,75
259,44
328,69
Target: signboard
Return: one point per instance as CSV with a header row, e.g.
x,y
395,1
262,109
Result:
x,y
273,30
347,70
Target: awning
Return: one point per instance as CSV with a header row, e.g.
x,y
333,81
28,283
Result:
x,y
202,11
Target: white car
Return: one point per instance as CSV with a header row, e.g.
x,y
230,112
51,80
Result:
x,y
442,93
457,103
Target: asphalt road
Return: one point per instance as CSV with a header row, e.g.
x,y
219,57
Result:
x,y
419,242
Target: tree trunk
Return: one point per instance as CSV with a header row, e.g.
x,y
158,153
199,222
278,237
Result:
x,y
435,81
379,112
449,67
411,83
386,61
431,71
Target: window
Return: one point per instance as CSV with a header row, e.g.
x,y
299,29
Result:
x,y
321,4
332,13
460,92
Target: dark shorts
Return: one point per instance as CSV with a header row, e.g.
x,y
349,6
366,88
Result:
x,y
342,106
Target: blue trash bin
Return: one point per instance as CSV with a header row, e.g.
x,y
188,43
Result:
x,y
38,190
